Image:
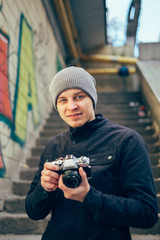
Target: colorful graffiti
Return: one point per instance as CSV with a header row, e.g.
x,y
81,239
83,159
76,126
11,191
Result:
x,y
25,95
58,63
25,98
5,106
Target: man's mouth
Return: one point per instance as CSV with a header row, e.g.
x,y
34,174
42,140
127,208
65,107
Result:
x,y
74,115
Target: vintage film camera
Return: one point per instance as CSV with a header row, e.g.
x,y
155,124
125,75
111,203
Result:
x,y
69,168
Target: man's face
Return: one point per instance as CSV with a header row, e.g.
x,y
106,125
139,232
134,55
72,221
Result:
x,y
75,107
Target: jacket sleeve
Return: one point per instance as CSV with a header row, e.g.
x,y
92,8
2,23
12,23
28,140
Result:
x,y
137,207
39,202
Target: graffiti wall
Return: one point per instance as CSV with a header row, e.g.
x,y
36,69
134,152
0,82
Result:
x,y
26,97
28,60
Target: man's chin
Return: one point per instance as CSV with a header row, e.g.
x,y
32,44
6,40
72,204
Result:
x,y
75,124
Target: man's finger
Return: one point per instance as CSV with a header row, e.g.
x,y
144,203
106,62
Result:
x,y
83,174
51,166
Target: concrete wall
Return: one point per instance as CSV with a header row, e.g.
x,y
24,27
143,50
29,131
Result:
x,y
28,61
149,51
149,72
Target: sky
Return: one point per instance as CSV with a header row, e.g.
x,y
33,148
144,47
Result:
x,y
149,21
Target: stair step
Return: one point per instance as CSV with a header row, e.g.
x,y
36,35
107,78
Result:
x,y
20,224
153,148
119,98
155,158
128,120
157,184
115,108
36,151
130,124
41,141
133,123
38,237
25,237
158,200
52,132
144,131
28,173
110,116
156,171
122,115
58,122
14,204
14,224
17,204
56,117
54,126
148,139
33,161
49,133
21,187
110,107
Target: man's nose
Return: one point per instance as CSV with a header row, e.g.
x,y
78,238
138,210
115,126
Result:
x,y
72,105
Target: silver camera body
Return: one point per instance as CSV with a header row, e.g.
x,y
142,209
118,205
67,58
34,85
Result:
x,y
69,168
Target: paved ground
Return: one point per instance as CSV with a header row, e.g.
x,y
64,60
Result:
x,y
20,237
146,237
38,237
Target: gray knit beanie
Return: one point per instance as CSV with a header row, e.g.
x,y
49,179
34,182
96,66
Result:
x,y
73,77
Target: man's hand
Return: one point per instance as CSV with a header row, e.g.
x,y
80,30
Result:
x,y
49,178
78,193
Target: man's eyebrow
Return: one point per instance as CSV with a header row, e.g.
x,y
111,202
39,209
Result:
x,y
60,97
80,92
75,94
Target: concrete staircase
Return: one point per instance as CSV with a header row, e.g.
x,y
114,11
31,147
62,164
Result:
x,y
122,108
127,109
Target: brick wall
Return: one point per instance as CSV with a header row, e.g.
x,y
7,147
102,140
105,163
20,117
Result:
x,y
28,61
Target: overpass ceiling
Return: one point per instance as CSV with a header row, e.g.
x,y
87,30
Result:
x,y
90,21
84,19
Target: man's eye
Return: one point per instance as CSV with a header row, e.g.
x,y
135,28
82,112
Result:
x,y
62,101
80,96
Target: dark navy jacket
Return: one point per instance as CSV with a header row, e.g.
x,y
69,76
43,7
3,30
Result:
x,y
122,192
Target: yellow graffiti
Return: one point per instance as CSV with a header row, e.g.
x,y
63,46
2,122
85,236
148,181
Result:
x,y
26,95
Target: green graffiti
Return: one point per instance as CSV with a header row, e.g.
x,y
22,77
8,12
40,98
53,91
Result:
x,y
58,63
25,93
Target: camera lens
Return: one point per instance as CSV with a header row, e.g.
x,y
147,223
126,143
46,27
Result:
x,y
71,178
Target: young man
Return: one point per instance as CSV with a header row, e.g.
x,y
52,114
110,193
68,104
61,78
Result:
x,y
121,192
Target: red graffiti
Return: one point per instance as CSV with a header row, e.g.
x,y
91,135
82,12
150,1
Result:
x,y
5,106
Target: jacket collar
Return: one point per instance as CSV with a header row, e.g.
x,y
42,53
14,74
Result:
x,y
83,132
